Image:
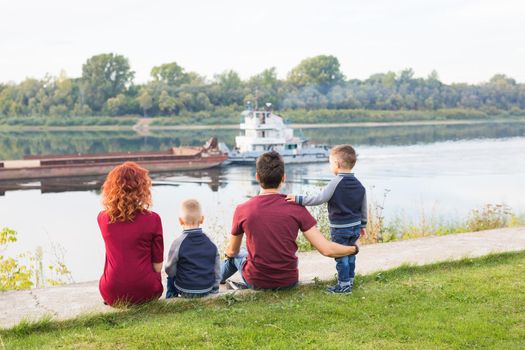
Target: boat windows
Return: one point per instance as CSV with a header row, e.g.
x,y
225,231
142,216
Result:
x,y
262,117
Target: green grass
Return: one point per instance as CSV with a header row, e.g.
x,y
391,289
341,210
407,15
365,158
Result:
x,y
232,116
66,121
471,304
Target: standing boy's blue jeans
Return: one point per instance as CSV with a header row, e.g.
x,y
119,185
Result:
x,y
345,265
232,265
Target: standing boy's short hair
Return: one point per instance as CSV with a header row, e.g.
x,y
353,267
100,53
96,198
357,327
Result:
x,y
190,212
345,154
270,168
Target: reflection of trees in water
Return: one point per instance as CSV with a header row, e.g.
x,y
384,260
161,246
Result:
x,y
407,135
14,145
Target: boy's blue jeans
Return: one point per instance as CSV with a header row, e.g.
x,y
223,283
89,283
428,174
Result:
x,y
345,265
173,292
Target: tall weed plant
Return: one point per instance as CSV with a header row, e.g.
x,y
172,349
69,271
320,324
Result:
x,y
27,270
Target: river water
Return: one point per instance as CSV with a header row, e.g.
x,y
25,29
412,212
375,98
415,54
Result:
x,y
433,171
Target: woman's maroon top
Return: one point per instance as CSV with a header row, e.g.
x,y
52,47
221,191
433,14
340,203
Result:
x,y
131,248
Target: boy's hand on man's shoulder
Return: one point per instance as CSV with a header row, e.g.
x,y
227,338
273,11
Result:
x,y
290,198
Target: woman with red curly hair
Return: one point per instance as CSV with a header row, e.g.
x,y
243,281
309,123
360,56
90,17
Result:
x,y
132,236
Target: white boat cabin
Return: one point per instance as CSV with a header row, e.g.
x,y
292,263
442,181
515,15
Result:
x,y
263,131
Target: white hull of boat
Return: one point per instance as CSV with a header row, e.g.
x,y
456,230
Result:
x,y
289,158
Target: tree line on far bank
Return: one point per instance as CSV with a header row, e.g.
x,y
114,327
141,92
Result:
x,y
106,88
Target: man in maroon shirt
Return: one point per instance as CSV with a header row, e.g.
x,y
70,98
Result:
x,y
271,225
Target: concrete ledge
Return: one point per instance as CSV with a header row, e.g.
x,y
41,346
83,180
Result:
x,y
69,301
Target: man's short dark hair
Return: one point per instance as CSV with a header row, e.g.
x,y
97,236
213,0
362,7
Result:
x,y
270,168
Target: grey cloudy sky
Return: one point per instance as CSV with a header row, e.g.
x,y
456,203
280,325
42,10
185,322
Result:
x,y
464,40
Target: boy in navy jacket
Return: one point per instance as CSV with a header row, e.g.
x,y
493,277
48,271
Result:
x,y
347,211
193,265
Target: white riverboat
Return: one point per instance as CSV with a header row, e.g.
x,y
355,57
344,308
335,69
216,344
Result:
x,y
263,131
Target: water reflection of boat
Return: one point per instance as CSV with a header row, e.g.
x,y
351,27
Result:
x,y
69,165
209,177
263,131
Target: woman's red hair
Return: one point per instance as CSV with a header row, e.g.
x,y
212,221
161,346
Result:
x,y
126,191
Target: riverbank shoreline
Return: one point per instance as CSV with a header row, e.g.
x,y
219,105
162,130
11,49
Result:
x,y
72,300
141,127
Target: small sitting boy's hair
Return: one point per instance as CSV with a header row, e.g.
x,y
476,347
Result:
x,y
190,212
345,154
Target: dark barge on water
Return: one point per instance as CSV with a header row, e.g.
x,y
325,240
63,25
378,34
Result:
x,y
69,165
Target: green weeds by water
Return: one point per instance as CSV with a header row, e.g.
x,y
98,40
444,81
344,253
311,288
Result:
x,y
36,121
490,216
27,270
454,305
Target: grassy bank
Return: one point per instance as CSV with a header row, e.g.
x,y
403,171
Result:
x,y
45,122
331,116
453,305
231,116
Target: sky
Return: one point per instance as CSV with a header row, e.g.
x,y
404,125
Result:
x,y
463,40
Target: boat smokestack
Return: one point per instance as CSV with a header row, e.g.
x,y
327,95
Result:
x,y
211,144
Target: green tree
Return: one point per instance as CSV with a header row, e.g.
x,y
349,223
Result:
x,y
167,103
171,74
228,89
145,101
81,110
105,76
263,87
64,91
323,71
502,80
202,102
116,105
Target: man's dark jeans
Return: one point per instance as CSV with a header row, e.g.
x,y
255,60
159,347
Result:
x,y
232,265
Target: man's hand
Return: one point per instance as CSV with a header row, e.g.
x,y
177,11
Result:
x,y
290,198
233,247
326,247
363,232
